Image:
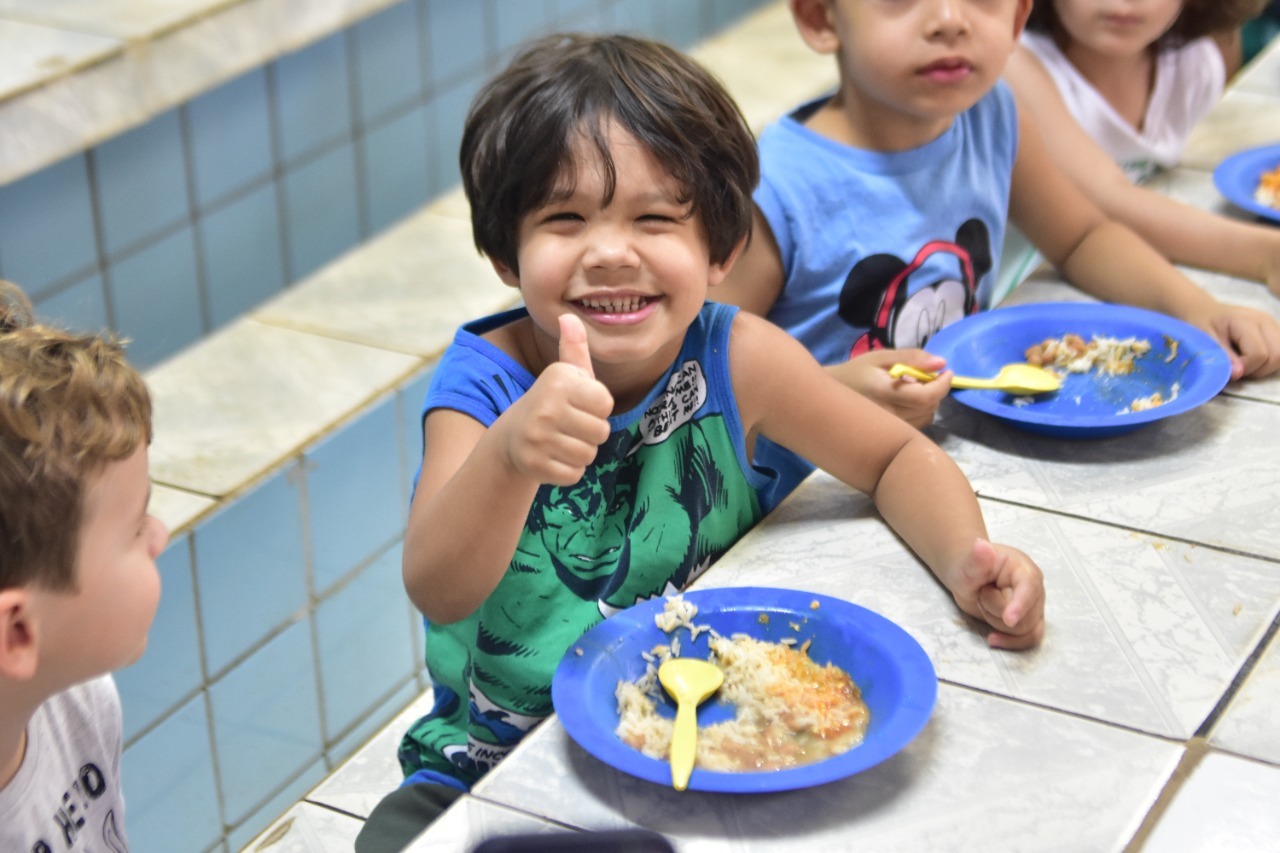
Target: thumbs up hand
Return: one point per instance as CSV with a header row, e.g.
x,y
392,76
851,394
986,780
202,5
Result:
x,y
551,433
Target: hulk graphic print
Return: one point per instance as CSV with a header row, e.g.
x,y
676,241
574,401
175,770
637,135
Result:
x,y
667,494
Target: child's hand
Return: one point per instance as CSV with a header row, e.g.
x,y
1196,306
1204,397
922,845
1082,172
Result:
x,y
1250,337
553,431
1004,588
913,401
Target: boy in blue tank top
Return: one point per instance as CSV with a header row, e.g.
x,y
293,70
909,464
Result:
x,y
593,449
882,207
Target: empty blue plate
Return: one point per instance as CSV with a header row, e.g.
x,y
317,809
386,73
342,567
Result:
x,y
895,676
1088,405
1237,178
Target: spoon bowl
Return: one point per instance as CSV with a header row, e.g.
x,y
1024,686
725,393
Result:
x,y
690,682
1018,379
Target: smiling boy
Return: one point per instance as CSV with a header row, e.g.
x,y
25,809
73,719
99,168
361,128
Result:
x,y
593,449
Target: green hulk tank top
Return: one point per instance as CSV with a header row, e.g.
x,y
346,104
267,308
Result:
x,y
668,493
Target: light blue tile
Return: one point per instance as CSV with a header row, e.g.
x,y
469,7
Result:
x,y
353,493
373,722
46,226
155,298
170,669
412,396
396,168
388,61
726,12
81,307
364,637
456,42
679,22
517,21
266,722
170,794
243,259
254,824
313,97
250,569
448,114
321,205
230,137
636,17
142,186
575,10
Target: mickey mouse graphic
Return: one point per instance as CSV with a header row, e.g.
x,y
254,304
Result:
x,y
876,295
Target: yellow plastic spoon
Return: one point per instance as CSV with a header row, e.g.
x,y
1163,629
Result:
x,y
689,681
1013,378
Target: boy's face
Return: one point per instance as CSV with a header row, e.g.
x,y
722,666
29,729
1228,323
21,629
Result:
x,y
635,270
1116,29
926,60
102,625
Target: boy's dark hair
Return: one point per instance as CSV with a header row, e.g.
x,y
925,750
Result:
x,y
69,404
517,145
1198,18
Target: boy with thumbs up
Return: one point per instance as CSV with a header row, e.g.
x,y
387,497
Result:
x,y
593,449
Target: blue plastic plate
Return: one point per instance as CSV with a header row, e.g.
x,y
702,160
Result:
x,y
895,675
1237,178
1088,405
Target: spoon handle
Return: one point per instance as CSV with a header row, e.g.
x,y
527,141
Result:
x,y
684,738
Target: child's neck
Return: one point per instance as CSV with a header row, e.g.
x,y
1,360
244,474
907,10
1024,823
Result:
x,y
853,122
1124,82
13,745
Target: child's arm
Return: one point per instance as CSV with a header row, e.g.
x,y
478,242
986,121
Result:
x,y
754,284
784,394
478,484
1182,233
1108,260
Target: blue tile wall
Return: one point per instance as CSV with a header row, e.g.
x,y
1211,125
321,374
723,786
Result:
x,y
283,640
230,131
397,173
266,721
169,673
363,459
243,261
171,793
46,226
141,183
322,209
81,306
155,298
250,569
313,97
364,639
388,61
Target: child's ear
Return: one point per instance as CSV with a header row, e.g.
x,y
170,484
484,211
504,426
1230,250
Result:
x,y
813,21
18,646
719,272
505,273
1020,18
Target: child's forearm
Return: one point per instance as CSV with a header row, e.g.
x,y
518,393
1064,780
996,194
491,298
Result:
x,y
1114,264
927,500
1194,237
460,540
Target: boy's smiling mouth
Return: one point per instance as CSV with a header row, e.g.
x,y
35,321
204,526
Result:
x,y
622,306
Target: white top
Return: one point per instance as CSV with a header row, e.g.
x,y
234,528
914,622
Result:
x,y
1189,82
66,795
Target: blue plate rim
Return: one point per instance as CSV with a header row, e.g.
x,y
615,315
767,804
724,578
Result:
x,y
913,666
1236,177
1212,356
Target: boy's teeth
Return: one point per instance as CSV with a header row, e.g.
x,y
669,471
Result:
x,y
615,305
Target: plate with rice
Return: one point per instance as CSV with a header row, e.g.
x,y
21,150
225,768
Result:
x,y
1249,180
767,640
1123,367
